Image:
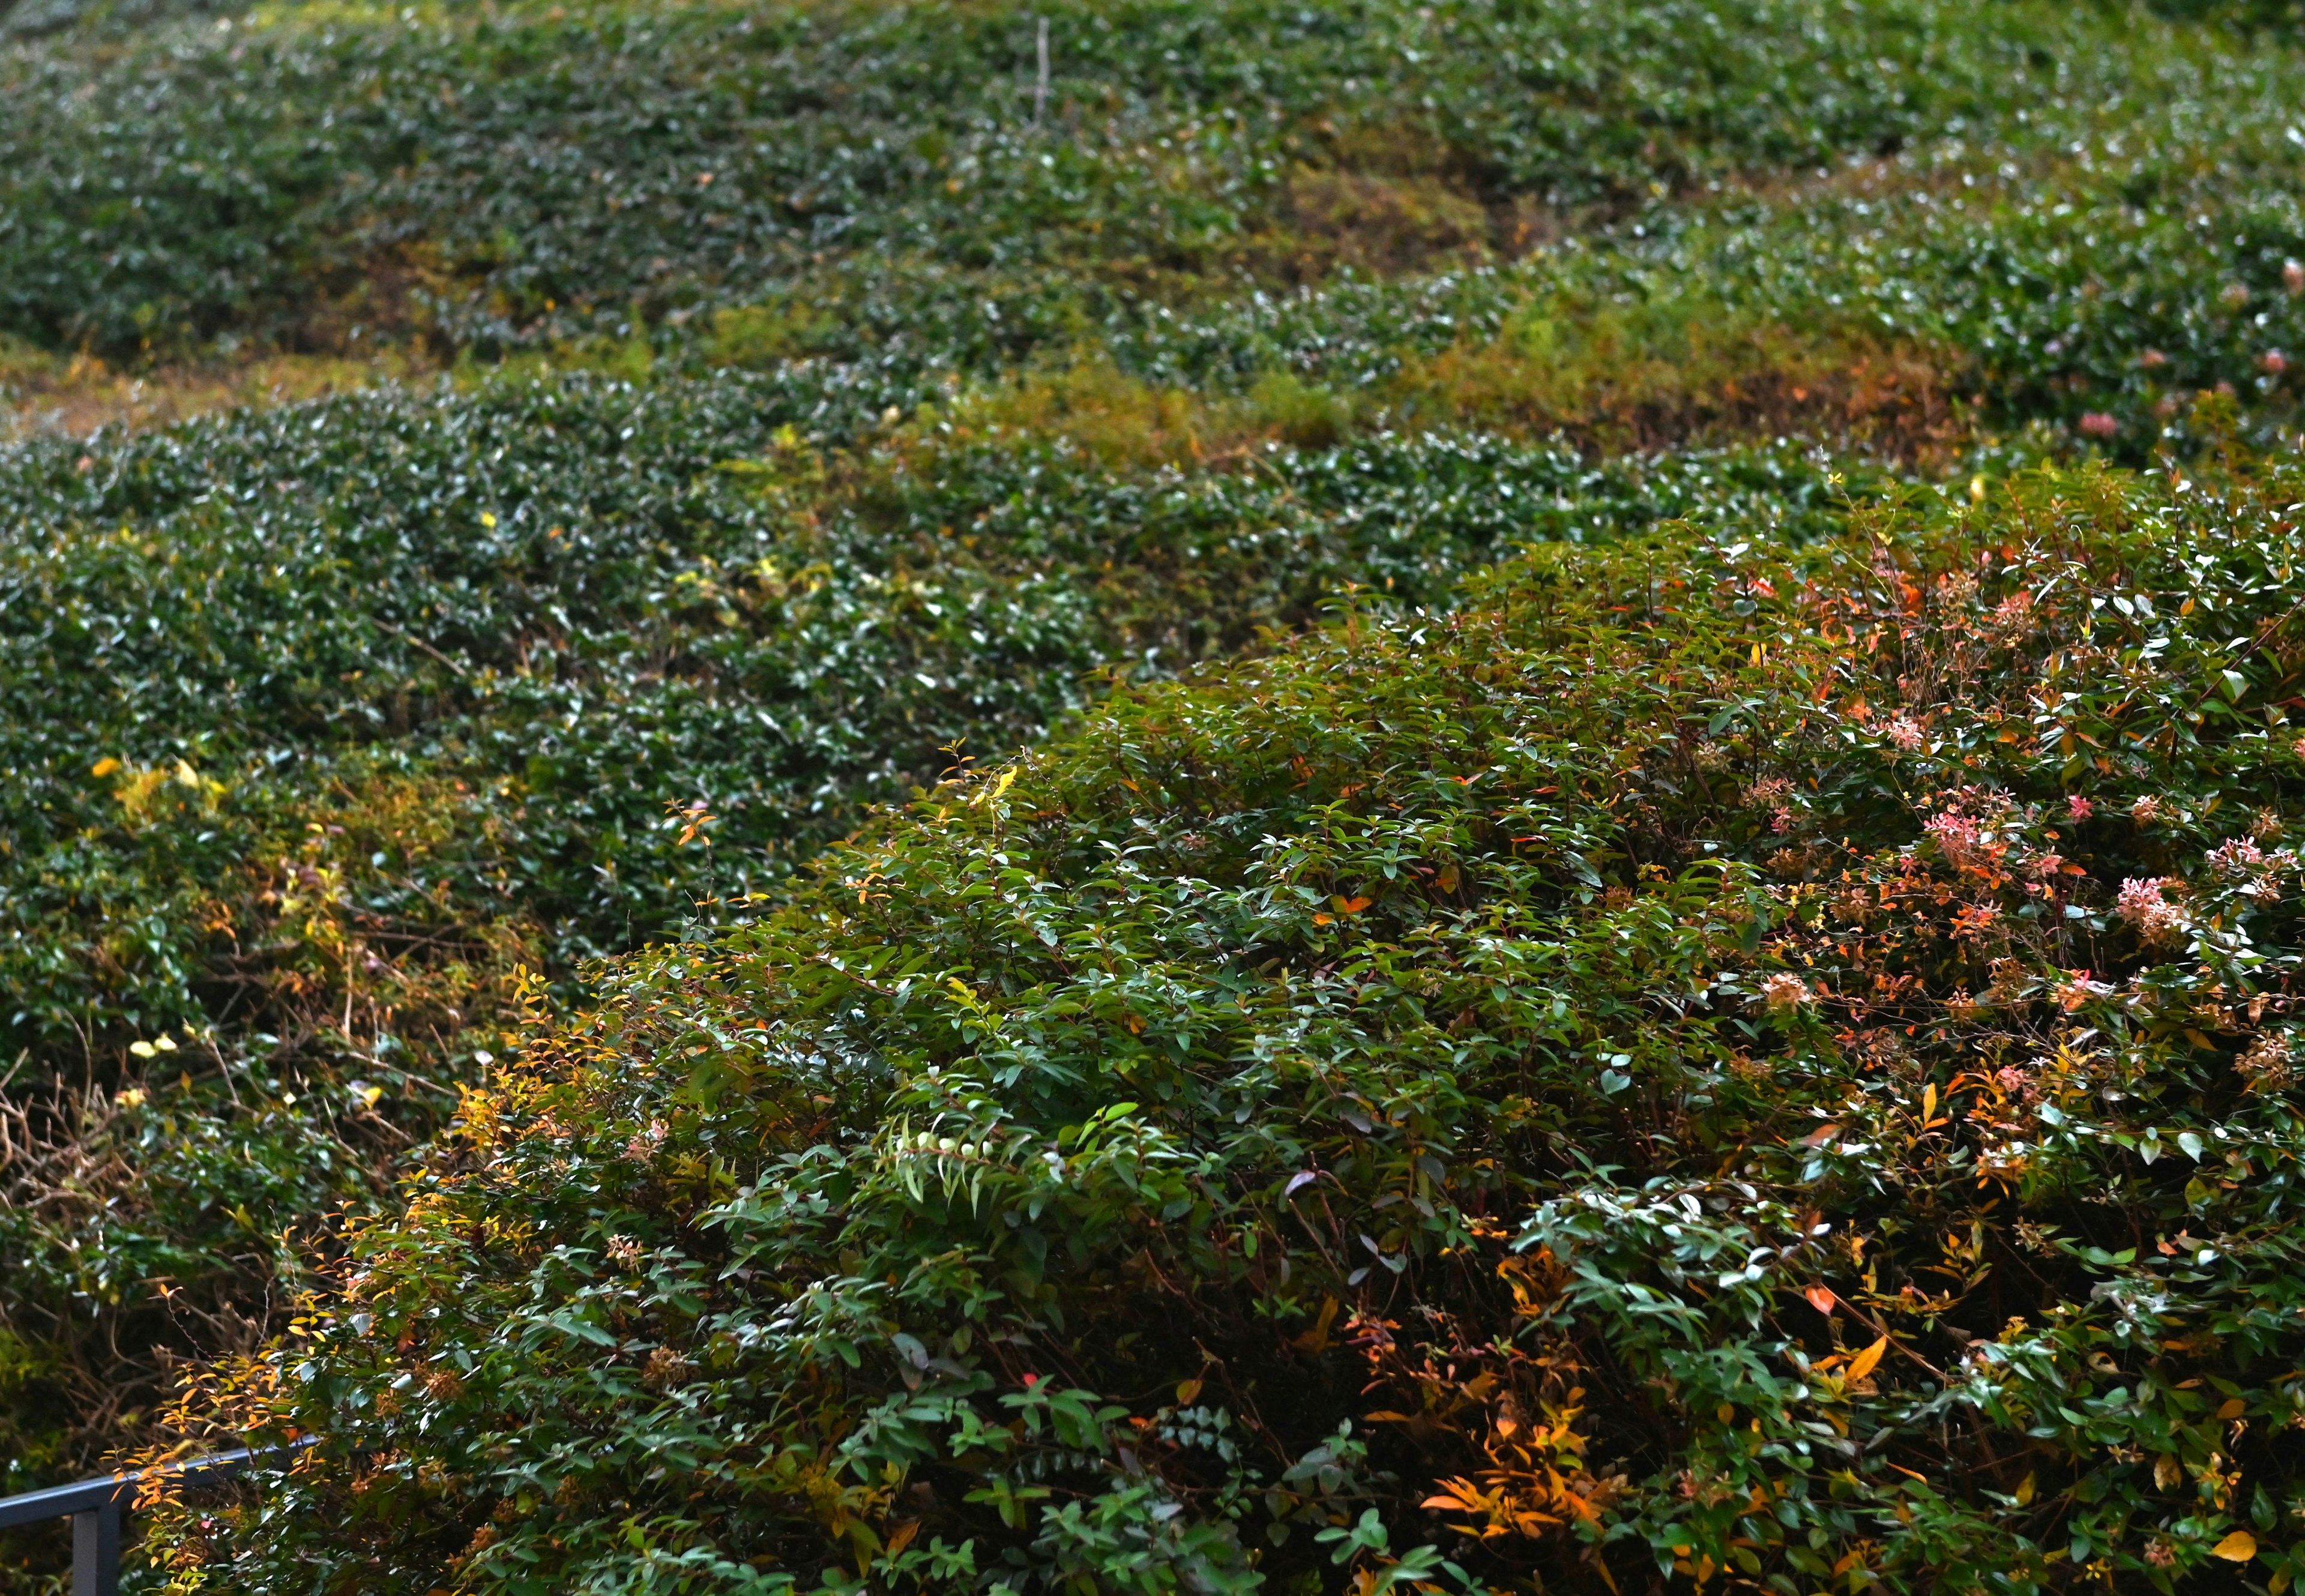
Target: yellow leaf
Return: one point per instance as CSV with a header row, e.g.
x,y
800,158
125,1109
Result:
x,y
1316,1339
104,767
2025,1488
2166,1472
2239,1546
1188,1392
2232,1409
1866,1362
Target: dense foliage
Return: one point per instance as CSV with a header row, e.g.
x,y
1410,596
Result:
x,y
1773,1070
765,413
500,175
319,722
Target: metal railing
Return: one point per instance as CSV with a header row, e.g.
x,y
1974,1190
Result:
x,y
96,1508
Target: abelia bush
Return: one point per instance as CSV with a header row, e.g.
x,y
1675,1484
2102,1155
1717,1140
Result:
x,y
1703,1065
320,721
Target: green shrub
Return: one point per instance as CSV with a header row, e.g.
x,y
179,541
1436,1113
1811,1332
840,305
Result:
x,y
320,721
326,175
1771,1070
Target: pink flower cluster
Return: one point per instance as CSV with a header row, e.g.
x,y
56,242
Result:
x,y
2238,857
2141,903
1906,734
1956,834
1785,991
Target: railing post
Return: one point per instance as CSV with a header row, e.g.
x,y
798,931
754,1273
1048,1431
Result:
x,y
96,1551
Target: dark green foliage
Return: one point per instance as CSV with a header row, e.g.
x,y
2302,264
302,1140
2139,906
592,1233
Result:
x,y
317,721
922,425
1692,1063
499,178
587,602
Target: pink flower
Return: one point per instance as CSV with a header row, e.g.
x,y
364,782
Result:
x,y
2071,994
1956,835
2237,857
1905,734
2097,424
1785,991
2152,359
2013,611
2079,807
2141,903
1769,792
2273,362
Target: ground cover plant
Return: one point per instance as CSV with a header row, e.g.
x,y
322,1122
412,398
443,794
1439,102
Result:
x,y
322,721
740,418
492,177
1768,1071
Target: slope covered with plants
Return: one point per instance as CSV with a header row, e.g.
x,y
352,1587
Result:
x,y
1764,1070
612,453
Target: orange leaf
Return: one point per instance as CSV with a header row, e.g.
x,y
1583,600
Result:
x,y
903,1538
1821,1298
1457,1493
1866,1362
1353,906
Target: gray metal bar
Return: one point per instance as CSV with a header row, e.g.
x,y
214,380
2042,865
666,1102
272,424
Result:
x,y
95,1505
59,1501
96,1551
